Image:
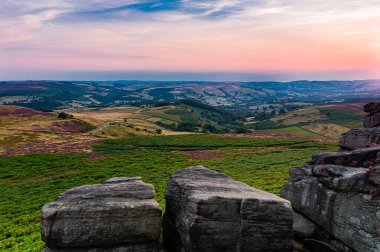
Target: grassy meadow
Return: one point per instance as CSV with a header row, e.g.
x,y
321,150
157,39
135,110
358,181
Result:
x,y
328,121
27,182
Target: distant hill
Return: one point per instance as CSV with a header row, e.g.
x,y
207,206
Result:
x,y
51,95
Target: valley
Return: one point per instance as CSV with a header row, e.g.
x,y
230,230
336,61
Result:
x,y
55,136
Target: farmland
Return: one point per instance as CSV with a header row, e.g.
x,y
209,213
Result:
x,y
328,121
44,153
169,120
30,181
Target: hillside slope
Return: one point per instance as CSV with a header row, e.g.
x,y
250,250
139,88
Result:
x,y
327,121
52,95
24,130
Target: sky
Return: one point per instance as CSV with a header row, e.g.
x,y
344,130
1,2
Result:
x,y
190,39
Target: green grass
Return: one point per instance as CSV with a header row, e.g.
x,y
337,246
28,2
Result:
x,y
190,142
28,182
185,115
265,125
293,130
342,117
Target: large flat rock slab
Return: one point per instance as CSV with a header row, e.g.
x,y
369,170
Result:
x,y
119,212
209,211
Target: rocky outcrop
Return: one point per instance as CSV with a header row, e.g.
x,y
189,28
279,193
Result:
x,y
340,191
352,218
367,136
120,214
209,211
359,138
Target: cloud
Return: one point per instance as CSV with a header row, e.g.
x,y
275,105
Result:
x,y
121,10
190,35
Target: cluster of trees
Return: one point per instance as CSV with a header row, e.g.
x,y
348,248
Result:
x,y
190,127
63,115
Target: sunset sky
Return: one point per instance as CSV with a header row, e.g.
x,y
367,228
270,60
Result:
x,y
190,39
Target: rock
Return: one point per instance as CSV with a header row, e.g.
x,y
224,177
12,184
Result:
x,y
359,138
372,107
342,178
209,211
341,247
371,121
356,158
351,218
129,248
374,175
302,227
118,215
319,246
301,172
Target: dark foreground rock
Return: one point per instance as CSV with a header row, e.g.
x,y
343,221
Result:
x,y
209,211
372,107
120,214
374,175
302,227
352,218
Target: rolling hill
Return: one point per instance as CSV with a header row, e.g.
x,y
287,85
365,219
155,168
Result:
x,y
324,121
24,130
52,95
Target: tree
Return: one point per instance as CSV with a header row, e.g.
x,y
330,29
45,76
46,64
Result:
x,y
159,131
63,115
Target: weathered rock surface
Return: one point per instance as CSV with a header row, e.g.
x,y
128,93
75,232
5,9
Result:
x,y
359,138
352,218
363,157
302,227
209,211
374,175
120,214
371,121
342,178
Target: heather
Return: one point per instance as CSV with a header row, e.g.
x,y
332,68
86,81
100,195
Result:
x,y
30,181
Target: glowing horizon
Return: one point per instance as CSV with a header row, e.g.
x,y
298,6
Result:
x,y
238,36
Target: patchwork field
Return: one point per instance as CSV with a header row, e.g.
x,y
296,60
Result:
x,y
30,181
324,121
329,130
